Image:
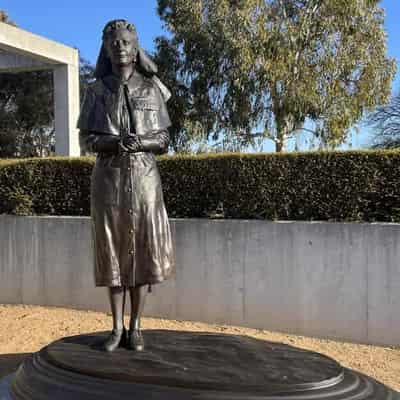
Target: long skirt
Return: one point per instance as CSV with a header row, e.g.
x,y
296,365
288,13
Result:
x,y
131,232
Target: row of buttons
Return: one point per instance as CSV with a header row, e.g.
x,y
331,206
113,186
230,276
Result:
x,y
131,231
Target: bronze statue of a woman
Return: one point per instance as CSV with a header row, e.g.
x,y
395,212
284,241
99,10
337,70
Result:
x,y
124,120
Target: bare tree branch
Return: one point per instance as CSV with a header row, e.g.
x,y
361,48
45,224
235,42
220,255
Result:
x,y
386,121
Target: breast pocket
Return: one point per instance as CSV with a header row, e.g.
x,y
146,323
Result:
x,y
146,115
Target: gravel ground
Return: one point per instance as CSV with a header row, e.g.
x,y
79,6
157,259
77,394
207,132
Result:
x,y
25,329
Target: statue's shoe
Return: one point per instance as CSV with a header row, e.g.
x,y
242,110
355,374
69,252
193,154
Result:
x,y
136,341
117,338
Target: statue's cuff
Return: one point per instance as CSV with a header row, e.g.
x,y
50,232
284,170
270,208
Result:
x,y
122,147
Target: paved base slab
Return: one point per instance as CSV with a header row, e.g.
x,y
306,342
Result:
x,y
5,385
187,365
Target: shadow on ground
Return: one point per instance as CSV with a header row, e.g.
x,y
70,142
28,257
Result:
x,y
10,362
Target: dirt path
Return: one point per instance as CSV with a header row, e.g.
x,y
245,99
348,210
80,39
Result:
x,y
25,329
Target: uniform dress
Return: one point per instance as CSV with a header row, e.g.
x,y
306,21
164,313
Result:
x,y
131,232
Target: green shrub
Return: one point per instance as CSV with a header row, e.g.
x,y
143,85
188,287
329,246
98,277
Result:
x,y
52,186
333,186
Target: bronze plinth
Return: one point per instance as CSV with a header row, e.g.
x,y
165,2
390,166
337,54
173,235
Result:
x,y
189,365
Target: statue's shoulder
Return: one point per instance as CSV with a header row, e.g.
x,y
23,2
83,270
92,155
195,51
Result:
x,y
141,86
96,87
151,87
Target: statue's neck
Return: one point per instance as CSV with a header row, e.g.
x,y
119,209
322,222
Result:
x,y
123,72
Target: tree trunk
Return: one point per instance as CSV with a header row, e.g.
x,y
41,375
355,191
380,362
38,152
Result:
x,y
280,142
284,126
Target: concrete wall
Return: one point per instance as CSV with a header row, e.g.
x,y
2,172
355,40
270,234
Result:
x,y
322,279
13,62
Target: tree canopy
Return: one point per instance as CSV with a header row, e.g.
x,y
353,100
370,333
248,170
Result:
x,y
256,69
26,114
5,18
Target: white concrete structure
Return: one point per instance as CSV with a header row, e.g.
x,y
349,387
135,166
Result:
x,y
335,280
23,51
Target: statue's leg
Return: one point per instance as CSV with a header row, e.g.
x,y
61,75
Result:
x,y
117,302
138,298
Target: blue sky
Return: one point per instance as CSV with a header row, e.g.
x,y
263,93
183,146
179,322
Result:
x,y
392,25
79,24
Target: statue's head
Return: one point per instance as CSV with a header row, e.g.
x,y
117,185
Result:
x,y
121,47
120,42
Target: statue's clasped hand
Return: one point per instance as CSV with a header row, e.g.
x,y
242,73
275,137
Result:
x,y
130,144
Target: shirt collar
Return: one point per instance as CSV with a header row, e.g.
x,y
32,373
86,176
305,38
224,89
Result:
x,y
134,82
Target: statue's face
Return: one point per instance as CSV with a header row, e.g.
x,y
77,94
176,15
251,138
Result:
x,y
121,47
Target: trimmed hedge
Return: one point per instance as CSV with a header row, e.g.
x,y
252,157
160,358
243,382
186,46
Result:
x,y
333,186
51,186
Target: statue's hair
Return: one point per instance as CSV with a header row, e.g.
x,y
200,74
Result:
x,y
116,24
143,62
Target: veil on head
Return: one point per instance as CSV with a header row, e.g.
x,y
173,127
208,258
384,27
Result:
x,y
143,63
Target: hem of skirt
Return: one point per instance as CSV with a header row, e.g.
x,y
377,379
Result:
x,y
129,284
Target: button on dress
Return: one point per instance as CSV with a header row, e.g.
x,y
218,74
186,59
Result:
x,y
131,232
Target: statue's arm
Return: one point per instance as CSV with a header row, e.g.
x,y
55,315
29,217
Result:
x,y
90,140
155,142
95,142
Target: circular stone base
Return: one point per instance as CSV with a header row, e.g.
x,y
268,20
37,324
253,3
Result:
x,y
187,365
